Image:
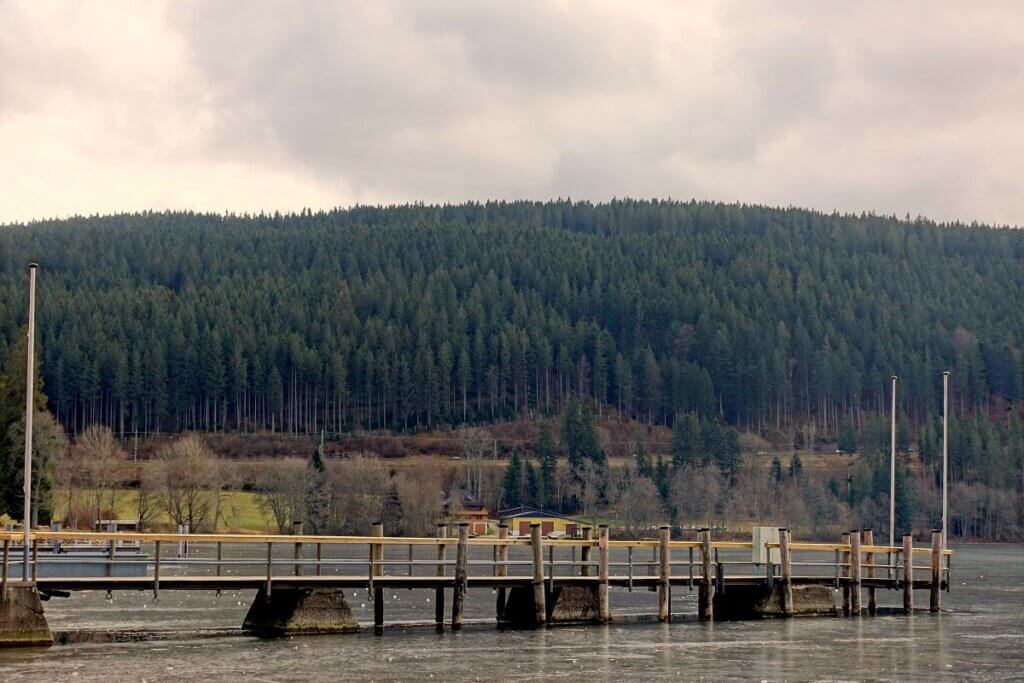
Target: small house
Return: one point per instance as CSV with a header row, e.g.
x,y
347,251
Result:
x,y
520,518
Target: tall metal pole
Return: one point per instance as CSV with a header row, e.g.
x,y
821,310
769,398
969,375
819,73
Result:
x,y
30,373
945,456
892,471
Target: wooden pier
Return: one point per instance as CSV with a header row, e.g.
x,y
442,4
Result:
x,y
539,581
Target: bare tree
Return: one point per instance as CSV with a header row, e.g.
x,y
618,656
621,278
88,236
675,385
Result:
x,y
359,489
281,491
419,492
638,505
102,461
475,444
695,493
189,482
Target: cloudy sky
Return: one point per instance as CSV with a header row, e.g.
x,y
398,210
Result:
x,y
911,107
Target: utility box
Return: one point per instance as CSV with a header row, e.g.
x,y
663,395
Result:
x,y
761,555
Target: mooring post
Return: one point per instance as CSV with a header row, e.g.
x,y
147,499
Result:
x,y
586,552
461,574
111,544
664,562
442,533
855,572
7,554
270,570
539,603
705,595
604,610
377,569
786,569
501,569
845,569
908,572
297,531
156,571
869,560
934,602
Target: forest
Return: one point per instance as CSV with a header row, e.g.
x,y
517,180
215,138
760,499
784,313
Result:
x,y
782,323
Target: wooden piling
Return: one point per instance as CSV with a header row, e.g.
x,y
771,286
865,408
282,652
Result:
x,y
377,569
411,565
156,571
111,545
319,559
934,603
220,557
539,602
664,562
297,531
845,569
501,569
461,576
786,569
6,569
908,572
442,532
854,572
705,594
585,553
868,537
604,606
270,570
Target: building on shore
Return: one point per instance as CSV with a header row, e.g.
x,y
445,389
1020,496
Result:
x,y
520,518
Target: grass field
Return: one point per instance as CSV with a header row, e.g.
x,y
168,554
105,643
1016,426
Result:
x,y
239,508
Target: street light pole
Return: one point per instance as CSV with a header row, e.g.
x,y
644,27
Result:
x,y
30,373
892,471
945,458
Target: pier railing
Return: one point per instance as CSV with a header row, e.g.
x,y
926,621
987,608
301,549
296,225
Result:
x,y
193,561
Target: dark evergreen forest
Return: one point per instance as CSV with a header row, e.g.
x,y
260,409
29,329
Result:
x,y
411,317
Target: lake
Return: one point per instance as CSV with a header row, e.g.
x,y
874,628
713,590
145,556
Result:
x,y
979,635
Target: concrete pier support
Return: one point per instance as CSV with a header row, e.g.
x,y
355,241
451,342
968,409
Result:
x,y
22,622
294,611
763,602
564,605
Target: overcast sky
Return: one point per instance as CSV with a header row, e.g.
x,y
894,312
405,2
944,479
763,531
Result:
x,y
239,105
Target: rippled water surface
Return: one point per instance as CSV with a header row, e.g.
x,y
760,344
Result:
x,y
980,635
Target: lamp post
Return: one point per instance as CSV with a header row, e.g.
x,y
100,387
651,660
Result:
x,y
30,372
945,458
892,471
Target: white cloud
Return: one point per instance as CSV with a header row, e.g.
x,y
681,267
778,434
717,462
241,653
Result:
x,y
218,105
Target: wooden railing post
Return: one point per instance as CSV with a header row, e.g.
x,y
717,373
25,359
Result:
x,y
442,532
501,569
869,540
411,557
664,562
539,602
934,604
220,557
604,611
111,545
156,571
854,572
844,562
908,572
705,594
461,574
35,559
319,558
6,569
786,569
585,553
297,531
376,570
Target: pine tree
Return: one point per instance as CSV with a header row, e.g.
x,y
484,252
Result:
x,y
547,455
318,497
512,485
847,441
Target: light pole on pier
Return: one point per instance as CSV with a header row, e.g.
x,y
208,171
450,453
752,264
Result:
x,y
892,471
945,458
30,372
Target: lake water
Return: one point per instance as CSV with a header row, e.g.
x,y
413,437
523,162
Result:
x,y
979,635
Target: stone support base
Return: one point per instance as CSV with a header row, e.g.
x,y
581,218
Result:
x,y
760,602
296,611
22,622
565,605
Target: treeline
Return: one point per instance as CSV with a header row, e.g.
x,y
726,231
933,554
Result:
x,y
417,316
